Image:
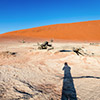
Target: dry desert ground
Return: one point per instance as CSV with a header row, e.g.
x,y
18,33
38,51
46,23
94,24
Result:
x,y
27,73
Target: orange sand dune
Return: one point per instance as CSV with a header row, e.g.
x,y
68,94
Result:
x,y
80,31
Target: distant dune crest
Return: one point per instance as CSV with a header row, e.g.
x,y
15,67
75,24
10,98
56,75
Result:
x,y
80,31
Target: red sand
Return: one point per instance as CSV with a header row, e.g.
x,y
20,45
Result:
x,y
81,31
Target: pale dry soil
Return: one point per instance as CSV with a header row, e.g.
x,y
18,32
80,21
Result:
x,y
27,73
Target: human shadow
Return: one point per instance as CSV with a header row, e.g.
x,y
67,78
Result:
x,y
68,90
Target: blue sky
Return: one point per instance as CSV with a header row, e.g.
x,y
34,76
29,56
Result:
x,y
23,14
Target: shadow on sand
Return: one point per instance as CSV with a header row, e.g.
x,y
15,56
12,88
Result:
x,y
86,77
65,51
68,90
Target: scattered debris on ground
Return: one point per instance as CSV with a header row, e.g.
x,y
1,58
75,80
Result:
x,y
8,54
22,41
79,51
95,44
45,45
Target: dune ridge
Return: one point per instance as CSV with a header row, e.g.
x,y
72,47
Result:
x,y
80,31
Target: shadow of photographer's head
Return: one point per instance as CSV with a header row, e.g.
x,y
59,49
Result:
x,y
65,63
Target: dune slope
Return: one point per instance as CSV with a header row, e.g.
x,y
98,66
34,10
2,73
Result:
x,y
81,31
